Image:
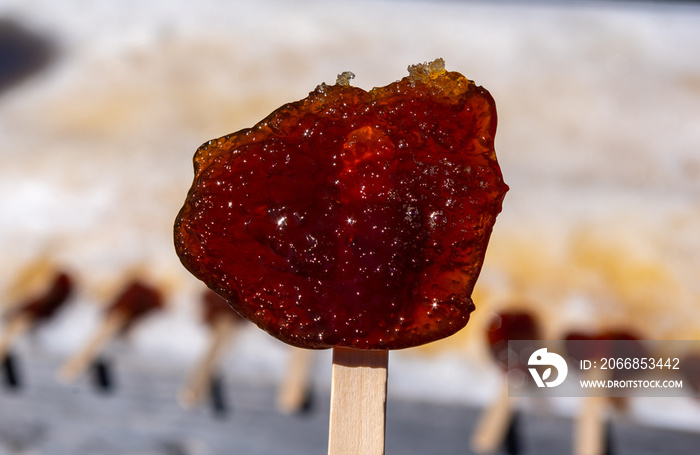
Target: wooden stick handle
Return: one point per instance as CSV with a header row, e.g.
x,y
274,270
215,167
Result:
x,y
195,389
358,402
491,430
13,330
590,424
77,364
589,432
294,387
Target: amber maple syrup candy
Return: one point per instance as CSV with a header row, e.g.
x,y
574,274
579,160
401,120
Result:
x,y
351,218
135,301
44,307
507,326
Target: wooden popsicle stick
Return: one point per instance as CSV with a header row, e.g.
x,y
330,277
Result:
x,y
490,432
77,364
13,330
590,425
195,389
590,429
358,402
294,388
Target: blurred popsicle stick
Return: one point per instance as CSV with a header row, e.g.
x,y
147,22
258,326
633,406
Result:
x,y
358,402
491,430
590,426
293,393
199,382
205,380
131,305
15,328
77,364
590,431
496,428
36,310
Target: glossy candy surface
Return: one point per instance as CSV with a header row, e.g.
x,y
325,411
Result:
x,y
351,218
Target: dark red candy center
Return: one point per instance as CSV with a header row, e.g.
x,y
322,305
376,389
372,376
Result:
x,y
350,218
